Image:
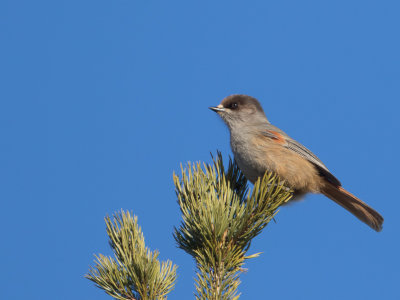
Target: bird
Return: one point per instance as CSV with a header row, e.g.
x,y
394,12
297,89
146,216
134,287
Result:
x,y
258,147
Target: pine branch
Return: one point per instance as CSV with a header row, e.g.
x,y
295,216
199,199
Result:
x,y
135,273
220,218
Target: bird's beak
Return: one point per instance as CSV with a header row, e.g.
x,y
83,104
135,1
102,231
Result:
x,y
217,108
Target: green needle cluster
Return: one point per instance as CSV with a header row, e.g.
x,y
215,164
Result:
x,y
135,272
220,218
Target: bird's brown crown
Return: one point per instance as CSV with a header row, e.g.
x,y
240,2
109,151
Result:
x,y
238,102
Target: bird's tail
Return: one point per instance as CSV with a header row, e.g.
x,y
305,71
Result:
x,y
354,205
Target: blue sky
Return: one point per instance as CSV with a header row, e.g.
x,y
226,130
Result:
x,y
102,100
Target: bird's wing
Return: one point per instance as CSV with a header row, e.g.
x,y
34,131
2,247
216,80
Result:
x,y
282,138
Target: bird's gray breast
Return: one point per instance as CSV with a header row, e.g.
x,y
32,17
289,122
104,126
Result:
x,y
247,157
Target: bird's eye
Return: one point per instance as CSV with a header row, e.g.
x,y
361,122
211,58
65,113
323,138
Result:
x,y
234,105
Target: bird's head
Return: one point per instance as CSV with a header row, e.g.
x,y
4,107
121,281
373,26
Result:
x,y
240,110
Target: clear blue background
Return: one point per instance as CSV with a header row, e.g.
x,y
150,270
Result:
x,y
102,100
